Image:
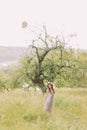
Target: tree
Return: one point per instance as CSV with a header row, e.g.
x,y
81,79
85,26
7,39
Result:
x,y
42,49
4,80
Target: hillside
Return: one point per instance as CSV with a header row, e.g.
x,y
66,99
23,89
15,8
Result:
x,y
10,55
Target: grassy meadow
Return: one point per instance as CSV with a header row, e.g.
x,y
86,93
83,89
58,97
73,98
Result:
x,y
23,110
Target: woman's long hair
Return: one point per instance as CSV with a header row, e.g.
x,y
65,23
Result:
x,y
50,89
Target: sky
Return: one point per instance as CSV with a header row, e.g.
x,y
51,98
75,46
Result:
x,y
60,16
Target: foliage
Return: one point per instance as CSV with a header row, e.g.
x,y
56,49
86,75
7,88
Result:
x,y
16,80
4,81
35,66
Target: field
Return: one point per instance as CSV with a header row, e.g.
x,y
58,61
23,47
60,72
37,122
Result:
x,y
23,110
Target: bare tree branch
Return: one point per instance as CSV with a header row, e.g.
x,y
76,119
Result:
x,y
44,27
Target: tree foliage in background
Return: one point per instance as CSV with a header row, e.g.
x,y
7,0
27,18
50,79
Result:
x,y
45,62
42,48
4,81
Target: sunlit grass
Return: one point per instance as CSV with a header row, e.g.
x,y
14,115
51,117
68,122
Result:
x,y
23,110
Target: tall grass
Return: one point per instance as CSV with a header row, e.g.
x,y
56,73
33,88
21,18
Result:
x,y
23,110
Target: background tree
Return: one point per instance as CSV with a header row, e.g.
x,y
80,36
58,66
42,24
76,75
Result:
x,y
4,81
40,65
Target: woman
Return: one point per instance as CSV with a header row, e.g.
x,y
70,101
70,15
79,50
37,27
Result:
x,y
49,98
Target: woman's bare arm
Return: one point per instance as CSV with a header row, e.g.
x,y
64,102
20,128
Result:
x,y
46,95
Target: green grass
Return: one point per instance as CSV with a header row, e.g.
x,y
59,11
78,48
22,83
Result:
x,y
21,110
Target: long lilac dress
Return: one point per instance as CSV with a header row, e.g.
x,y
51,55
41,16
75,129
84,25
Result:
x,y
49,102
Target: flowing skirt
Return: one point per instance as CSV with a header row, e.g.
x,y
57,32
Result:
x,y
49,103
